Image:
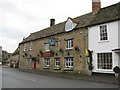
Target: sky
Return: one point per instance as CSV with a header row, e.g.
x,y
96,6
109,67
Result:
x,y
19,18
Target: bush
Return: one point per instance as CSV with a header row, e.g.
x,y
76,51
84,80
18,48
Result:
x,y
116,69
11,64
90,66
16,65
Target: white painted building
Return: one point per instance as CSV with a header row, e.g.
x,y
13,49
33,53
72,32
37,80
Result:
x,y
103,39
104,55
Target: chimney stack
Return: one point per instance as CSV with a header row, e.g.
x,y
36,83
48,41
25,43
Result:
x,y
96,5
52,22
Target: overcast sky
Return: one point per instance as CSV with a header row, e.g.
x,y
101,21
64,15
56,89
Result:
x,y
19,18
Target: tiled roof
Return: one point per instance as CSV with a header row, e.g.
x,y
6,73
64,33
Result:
x,y
106,14
59,28
16,51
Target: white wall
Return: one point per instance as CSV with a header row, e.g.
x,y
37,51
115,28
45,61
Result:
x,y
0,53
1,68
119,34
101,47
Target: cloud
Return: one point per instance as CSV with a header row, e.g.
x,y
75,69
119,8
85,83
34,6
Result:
x,y
11,34
19,18
8,44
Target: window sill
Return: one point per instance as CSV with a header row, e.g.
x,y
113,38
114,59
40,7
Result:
x,y
56,68
47,50
68,69
69,48
30,50
104,70
103,41
46,67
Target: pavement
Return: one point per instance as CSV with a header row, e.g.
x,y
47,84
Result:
x,y
100,78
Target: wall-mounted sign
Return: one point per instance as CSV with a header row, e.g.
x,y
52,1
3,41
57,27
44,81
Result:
x,y
48,54
87,52
52,42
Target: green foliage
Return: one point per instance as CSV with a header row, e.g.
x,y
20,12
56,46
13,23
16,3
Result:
x,y
51,51
116,69
61,50
77,49
90,65
41,52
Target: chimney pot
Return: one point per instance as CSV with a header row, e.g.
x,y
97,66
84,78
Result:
x,y
96,5
52,22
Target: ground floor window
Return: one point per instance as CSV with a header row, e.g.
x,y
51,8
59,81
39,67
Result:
x,y
68,62
104,60
57,62
47,61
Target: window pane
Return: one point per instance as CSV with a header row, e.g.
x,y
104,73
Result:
x,y
47,47
69,43
103,32
69,62
57,62
47,61
104,60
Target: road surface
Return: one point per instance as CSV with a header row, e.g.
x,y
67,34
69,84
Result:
x,y
12,78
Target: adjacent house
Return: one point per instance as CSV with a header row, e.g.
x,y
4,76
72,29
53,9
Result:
x,y
14,59
103,39
61,47
5,57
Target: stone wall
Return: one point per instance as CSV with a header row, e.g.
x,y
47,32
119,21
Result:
x,y
79,40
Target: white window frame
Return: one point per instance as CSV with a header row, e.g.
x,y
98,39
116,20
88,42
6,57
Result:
x,y
103,33
101,60
69,62
47,62
47,47
69,44
69,25
57,62
30,45
24,47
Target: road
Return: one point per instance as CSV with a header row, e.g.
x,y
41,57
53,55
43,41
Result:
x,y
17,79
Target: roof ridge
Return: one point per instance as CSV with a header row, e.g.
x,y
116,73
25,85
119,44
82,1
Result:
x,y
47,27
110,5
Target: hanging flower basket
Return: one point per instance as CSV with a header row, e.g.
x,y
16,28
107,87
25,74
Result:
x,y
116,69
77,49
51,51
41,52
61,50
26,54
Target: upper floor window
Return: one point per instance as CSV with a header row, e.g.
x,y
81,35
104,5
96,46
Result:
x,y
24,47
103,33
30,45
69,44
47,47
